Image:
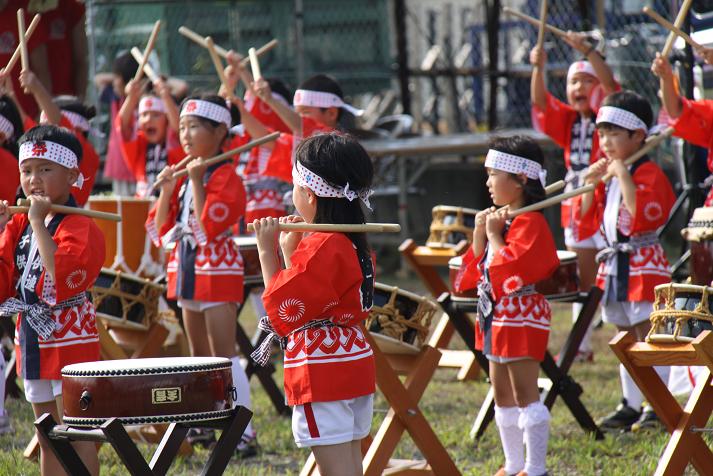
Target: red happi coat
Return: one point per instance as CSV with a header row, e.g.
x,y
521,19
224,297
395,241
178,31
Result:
x,y
325,281
648,266
695,125
279,163
216,274
78,261
520,324
10,180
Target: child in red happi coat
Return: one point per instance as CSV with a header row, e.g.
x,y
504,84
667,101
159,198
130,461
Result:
x,y
571,126
205,269
507,258
322,296
629,209
48,262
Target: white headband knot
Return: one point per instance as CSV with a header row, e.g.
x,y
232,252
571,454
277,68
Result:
x,y
208,110
306,97
515,164
151,103
621,117
53,152
304,177
6,127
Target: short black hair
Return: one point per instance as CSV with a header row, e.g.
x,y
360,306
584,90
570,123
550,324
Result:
x,y
280,87
125,66
51,133
526,147
325,84
632,102
9,111
73,104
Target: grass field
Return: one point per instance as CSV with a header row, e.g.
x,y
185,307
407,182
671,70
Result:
x,y
450,407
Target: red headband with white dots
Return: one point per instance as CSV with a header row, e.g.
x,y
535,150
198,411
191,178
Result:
x,y
305,97
207,109
515,164
304,177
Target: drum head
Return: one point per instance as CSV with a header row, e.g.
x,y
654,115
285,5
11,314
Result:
x,y
245,241
144,366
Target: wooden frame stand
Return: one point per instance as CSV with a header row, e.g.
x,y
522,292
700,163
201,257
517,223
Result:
x,y
685,444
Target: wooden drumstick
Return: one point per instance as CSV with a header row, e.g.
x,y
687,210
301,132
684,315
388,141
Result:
x,y
650,144
535,22
218,65
555,187
148,49
254,64
337,228
543,22
668,46
136,53
16,54
195,37
671,27
260,51
24,207
24,55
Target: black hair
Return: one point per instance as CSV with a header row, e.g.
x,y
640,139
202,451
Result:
x,y
73,104
632,102
212,98
280,87
325,84
9,111
125,66
340,160
51,133
526,147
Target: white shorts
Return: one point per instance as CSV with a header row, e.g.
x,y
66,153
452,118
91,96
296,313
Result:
x,y
504,360
332,423
198,306
596,241
626,314
42,390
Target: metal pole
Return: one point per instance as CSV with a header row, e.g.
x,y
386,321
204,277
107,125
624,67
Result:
x,y
299,40
493,23
402,54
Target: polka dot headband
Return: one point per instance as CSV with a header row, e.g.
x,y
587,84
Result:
x,y
620,117
208,110
151,103
6,127
77,120
304,177
305,97
581,67
53,152
515,164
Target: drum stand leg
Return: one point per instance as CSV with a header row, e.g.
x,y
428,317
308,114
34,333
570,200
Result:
x,y
684,445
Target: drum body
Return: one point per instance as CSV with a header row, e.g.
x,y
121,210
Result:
x,y
128,247
451,225
251,259
400,321
143,391
124,300
699,233
563,284
681,312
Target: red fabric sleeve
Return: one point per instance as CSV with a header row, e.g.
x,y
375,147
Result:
x,y
8,241
174,155
88,166
469,273
315,279
279,164
530,255
73,11
154,233
10,177
224,203
586,225
654,200
695,125
133,150
555,120
77,261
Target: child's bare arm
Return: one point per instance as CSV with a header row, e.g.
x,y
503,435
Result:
x,y
579,42
126,113
31,82
669,97
538,90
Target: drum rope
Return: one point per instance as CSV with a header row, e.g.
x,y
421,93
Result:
x,y
659,316
389,321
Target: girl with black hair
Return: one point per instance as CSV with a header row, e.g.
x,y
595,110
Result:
x,y
205,270
505,261
317,303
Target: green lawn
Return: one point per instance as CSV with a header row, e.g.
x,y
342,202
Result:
x,y
450,406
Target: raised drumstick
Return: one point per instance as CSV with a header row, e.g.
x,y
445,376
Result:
x,y
16,55
671,27
337,228
535,22
668,46
195,37
24,207
254,64
218,65
147,67
543,22
260,51
24,55
148,49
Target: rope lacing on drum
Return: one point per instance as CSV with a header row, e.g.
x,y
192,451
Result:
x,y
659,316
440,231
389,321
148,297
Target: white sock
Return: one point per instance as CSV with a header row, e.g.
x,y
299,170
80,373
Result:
x,y
506,418
586,344
2,384
534,421
242,389
631,392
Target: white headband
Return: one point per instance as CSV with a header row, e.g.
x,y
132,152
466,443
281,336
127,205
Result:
x,y
198,107
305,97
151,103
581,67
6,127
620,117
53,152
515,164
304,177
77,120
